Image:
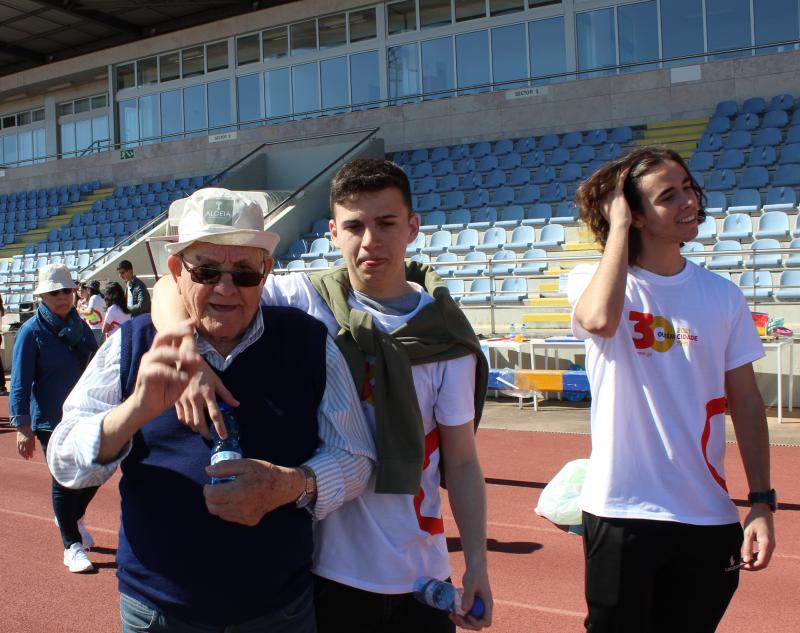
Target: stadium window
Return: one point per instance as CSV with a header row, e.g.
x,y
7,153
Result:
x,y
67,133
682,30
501,7
305,90
728,26
470,9
149,119
403,71
126,76
171,115
10,149
82,105
25,145
9,121
332,31
100,101
39,145
83,135
169,66
509,56
472,62
364,81
437,68
24,118
775,21
638,35
303,37
65,109
434,13
247,50
100,136
275,42
219,105
216,56
192,62
129,122
248,94
532,4
548,49
333,80
38,115
147,71
596,36
401,17
362,25
195,118
278,93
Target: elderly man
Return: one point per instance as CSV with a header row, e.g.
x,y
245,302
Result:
x,y
192,556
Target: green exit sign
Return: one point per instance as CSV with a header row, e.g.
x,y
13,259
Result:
x,y
125,154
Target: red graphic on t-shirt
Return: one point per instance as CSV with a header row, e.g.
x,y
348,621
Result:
x,y
713,407
366,387
432,525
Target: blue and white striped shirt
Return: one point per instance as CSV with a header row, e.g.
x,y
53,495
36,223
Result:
x,y
343,461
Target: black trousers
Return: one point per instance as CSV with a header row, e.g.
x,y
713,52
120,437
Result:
x,y
344,608
68,505
658,576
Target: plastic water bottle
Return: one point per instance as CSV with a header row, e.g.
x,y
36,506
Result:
x,y
512,332
445,597
229,447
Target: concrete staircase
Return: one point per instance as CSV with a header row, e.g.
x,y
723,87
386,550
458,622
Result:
x,y
681,135
55,222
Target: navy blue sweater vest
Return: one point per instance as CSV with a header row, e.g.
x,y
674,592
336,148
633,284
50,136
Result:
x,y
173,554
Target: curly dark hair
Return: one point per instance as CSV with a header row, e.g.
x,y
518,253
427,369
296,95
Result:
x,y
115,295
369,175
593,191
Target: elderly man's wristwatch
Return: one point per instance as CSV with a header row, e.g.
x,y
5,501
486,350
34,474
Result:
x,y
768,496
309,493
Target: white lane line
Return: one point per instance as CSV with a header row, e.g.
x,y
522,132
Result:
x,y
49,519
536,607
518,526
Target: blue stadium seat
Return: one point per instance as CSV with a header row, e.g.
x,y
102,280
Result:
x,y
442,168
464,166
524,145
415,246
554,192
781,102
747,121
551,238
441,260
726,261
488,163
533,159
707,231
761,156
453,200
483,218
469,182
558,156
457,220
731,159
432,221
793,135
781,199
583,154
532,268
756,285
479,291
296,249
466,240
438,153
519,176
726,109
502,196
503,262
789,286
693,247
566,213
790,154
772,260
493,239
296,264
320,262
503,147
477,266
456,288
429,202
596,137
418,156
773,224
737,226
719,125
422,258
793,259
318,229
571,140
319,248
447,183
754,105
745,201
716,203
512,290
544,175
477,198
775,118
457,152
548,142
571,172
609,151
511,216
787,176
522,238
701,161
528,194
721,179
440,242
420,170
710,142
621,135
510,161
480,149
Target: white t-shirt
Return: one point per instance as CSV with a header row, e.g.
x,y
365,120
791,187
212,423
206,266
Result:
x,y
115,317
658,396
93,312
383,542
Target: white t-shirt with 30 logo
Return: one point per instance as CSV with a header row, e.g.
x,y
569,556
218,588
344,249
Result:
x,y
658,396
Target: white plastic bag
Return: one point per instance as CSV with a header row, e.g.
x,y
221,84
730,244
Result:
x,y
559,499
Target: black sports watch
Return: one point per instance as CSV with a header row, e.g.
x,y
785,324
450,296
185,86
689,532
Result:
x,y
769,497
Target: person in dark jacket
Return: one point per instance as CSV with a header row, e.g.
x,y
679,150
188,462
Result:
x,y
136,293
50,353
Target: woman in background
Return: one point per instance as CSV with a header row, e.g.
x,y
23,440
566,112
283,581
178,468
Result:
x,y
117,310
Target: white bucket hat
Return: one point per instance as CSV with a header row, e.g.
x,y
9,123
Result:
x,y
54,277
220,216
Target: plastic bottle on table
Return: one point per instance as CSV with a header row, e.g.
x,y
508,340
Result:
x,y
445,597
512,332
229,447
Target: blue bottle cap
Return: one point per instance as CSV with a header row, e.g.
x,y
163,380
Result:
x,y
478,608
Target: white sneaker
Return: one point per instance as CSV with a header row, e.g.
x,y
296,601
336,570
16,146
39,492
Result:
x,y
86,537
76,559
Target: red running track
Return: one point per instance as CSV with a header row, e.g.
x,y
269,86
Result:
x,y
536,570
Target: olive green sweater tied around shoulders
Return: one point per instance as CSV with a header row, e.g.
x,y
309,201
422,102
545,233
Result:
x,y
438,332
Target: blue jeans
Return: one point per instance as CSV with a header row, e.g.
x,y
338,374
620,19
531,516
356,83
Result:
x,y
295,617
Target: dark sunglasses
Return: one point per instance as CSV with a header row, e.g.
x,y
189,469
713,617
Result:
x,y
55,293
209,276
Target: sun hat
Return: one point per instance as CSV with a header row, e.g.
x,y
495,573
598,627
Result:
x,y
221,216
53,277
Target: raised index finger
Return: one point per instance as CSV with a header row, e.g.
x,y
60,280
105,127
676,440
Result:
x,y
175,336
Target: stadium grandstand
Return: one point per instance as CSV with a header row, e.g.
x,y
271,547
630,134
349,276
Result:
x,y
496,109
